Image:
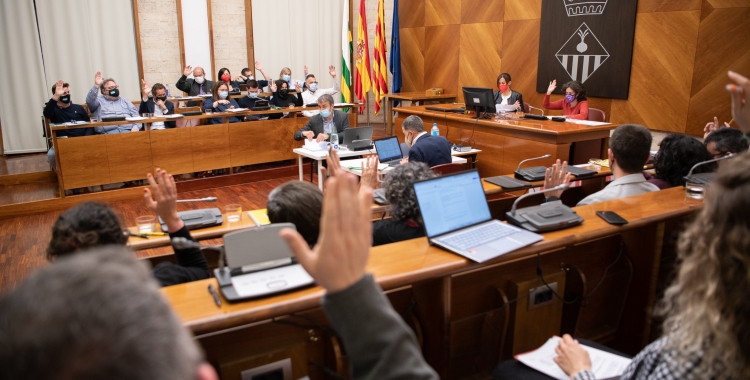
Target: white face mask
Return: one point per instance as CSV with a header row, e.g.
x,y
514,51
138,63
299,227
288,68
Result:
x,y
200,80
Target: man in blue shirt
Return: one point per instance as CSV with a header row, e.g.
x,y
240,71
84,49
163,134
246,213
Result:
x,y
110,104
60,110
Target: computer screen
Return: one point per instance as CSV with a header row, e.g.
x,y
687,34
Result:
x,y
388,149
482,99
451,202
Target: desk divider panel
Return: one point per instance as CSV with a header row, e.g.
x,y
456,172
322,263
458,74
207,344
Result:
x,y
171,150
517,150
129,156
83,161
257,142
210,146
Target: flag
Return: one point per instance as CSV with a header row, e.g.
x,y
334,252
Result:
x,y
380,74
362,70
395,53
346,54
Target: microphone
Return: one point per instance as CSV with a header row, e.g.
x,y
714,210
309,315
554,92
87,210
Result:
x,y
556,188
730,155
531,159
206,199
534,108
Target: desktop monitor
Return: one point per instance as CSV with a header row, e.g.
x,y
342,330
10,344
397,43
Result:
x,y
482,99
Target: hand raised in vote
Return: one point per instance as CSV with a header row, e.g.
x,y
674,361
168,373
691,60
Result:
x,y
339,258
571,357
297,87
740,102
333,169
145,88
98,80
322,137
712,126
370,172
188,69
59,90
273,86
161,198
555,176
258,66
552,87
306,71
332,70
309,135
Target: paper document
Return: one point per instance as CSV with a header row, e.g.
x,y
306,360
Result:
x,y
603,364
316,146
237,110
343,104
70,123
173,116
136,118
587,122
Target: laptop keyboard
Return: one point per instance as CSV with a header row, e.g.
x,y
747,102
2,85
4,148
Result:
x,y
477,236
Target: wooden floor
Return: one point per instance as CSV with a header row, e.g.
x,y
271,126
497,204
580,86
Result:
x,y
25,163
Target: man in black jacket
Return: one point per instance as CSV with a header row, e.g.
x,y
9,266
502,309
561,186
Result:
x,y
432,150
60,110
155,102
199,85
320,126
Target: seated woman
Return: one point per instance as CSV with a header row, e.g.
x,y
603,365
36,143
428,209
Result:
x,y
91,224
281,97
226,76
221,102
299,203
286,76
405,222
574,106
677,154
505,95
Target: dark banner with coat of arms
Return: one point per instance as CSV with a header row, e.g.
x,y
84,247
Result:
x,y
590,41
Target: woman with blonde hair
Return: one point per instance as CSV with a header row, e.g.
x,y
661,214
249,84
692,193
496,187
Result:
x,y
706,310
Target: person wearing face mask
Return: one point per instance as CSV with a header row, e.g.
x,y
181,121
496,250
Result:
x,y
248,101
312,93
155,102
196,86
505,95
110,104
226,76
221,102
60,110
320,126
246,75
574,106
286,76
282,98
423,147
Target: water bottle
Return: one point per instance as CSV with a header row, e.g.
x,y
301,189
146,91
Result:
x,y
335,138
435,131
167,86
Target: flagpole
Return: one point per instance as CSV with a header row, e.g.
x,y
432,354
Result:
x,y
367,106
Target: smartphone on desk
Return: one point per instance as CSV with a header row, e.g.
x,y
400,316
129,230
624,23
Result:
x,y
611,217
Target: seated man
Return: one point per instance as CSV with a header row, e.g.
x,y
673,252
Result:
x,y
246,75
724,141
320,126
60,110
423,147
253,92
110,321
299,203
92,224
110,104
155,101
629,149
312,93
199,85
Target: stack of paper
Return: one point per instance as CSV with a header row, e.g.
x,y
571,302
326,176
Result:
x,y
316,146
603,364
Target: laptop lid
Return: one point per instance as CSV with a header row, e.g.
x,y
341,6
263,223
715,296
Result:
x,y
452,202
388,149
359,133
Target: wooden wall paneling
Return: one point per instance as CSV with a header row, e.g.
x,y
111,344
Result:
x,y
180,35
249,36
661,72
141,74
517,150
523,10
480,11
722,46
258,142
214,69
411,15
442,12
170,150
129,156
521,55
210,146
727,3
480,55
83,161
441,57
412,58
648,6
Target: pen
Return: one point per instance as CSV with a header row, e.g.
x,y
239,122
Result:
x,y
213,293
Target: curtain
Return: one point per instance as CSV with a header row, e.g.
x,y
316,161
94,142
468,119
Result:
x,y
195,36
24,89
294,33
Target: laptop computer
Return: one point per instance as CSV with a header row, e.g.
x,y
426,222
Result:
x,y
358,138
389,150
456,216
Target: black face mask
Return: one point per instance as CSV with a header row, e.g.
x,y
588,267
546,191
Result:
x,y
114,93
162,98
65,99
283,92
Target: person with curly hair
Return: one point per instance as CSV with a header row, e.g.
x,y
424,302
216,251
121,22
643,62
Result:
x,y
574,106
92,224
405,222
677,155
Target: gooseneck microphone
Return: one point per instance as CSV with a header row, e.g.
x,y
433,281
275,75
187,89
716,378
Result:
x,y
532,159
206,199
730,155
556,188
534,108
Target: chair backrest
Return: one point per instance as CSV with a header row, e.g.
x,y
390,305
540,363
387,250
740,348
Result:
x,y
596,114
181,123
526,108
404,149
447,168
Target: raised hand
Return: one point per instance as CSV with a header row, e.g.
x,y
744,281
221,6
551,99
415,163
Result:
x,y
59,90
571,357
297,87
339,258
740,102
712,126
161,199
332,70
98,80
188,69
555,176
306,72
552,87
145,88
258,66
272,86
370,172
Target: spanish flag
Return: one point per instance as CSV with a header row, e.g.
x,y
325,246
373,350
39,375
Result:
x,y
380,74
362,69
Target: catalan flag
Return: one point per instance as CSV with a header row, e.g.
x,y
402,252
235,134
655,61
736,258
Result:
x,y
380,74
346,54
362,69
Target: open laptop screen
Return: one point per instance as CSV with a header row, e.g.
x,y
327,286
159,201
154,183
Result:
x,y
388,149
451,202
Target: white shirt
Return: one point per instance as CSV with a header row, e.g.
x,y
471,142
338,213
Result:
x,y
312,97
417,138
631,184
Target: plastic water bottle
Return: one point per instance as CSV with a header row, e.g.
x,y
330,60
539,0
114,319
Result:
x,y
435,131
167,86
335,139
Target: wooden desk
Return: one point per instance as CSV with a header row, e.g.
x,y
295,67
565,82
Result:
x,y
415,98
456,300
507,143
